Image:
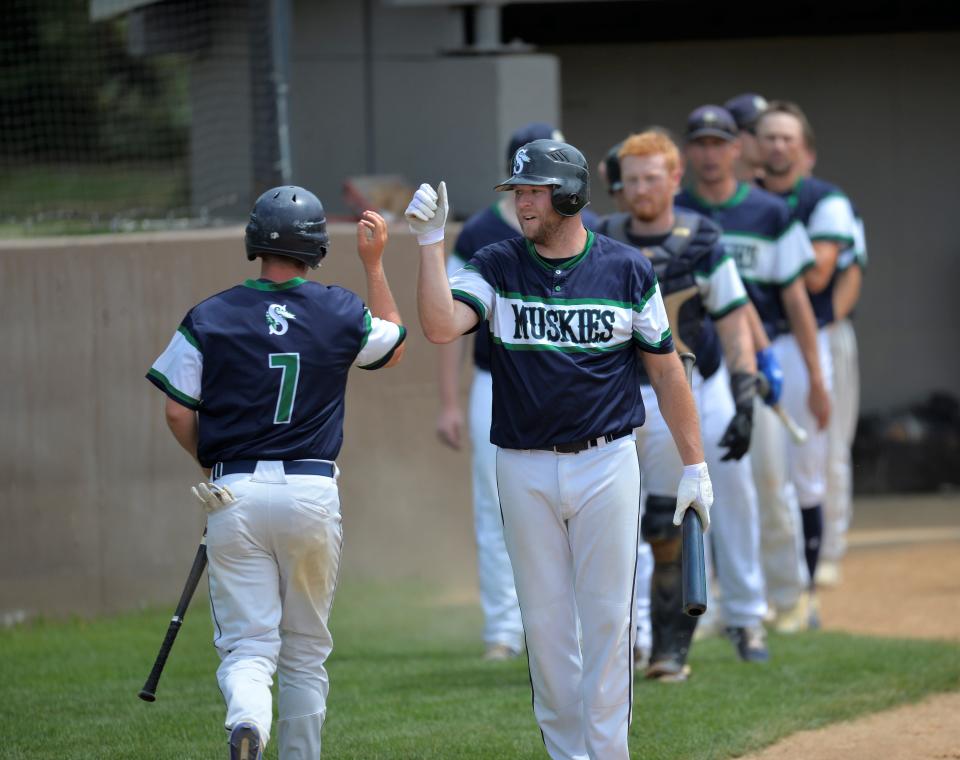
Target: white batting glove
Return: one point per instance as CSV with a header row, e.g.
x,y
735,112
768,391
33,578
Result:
x,y
695,491
427,213
213,497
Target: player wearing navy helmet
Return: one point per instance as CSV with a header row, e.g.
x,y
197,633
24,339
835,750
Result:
x,y
786,142
707,305
772,253
502,629
255,378
745,110
574,317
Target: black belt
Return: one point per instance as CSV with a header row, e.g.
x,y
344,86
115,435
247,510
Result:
x,y
577,446
295,467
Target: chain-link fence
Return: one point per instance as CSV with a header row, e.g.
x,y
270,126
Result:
x,y
97,106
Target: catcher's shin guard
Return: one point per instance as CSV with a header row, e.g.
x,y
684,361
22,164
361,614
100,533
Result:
x,y
672,629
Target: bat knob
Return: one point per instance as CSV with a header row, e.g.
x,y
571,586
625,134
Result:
x,y
147,696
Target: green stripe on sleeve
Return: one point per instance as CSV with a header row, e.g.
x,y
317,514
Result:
x,y
188,336
167,387
475,302
385,359
732,306
646,297
367,327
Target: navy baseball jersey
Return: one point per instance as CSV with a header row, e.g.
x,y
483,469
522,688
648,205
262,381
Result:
x,y
480,230
255,357
564,338
827,214
770,247
693,268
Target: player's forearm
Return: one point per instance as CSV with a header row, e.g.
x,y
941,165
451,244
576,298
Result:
x,y
819,275
184,426
449,361
737,341
757,333
676,405
803,325
379,296
846,291
435,304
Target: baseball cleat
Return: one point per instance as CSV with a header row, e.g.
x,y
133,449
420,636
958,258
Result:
x,y
500,653
795,619
751,642
667,671
828,573
245,742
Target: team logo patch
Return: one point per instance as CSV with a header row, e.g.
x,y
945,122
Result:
x,y
277,316
519,160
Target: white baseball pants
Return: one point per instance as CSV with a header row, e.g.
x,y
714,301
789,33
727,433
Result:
x,y
571,523
274,556
788,476
838,504
734,523
498,597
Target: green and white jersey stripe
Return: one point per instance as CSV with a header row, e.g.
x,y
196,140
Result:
x,y
180,368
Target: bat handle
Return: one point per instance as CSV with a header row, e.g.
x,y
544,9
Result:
x,y
693,569
688,360
149,691
797,433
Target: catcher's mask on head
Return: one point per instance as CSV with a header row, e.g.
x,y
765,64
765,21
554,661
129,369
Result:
x,y
288,221
551,162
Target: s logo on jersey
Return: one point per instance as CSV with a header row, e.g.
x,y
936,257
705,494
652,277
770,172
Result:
x,y
519,160
277,316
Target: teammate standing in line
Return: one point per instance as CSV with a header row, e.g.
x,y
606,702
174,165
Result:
x,y
772,252
568,311
838,503
745,110
255,378
697,280
786,143
609,171
502,629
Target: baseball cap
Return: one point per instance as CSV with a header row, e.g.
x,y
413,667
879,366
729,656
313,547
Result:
x,y
711,121
535,130
746,108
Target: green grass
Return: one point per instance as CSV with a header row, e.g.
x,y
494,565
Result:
x,y
70,199
407,682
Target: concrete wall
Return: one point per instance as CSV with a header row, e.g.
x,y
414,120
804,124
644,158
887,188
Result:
x,y
884,111
94,492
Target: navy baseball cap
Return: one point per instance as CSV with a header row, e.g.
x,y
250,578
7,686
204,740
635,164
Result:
x,y
711,121
746,108
535,130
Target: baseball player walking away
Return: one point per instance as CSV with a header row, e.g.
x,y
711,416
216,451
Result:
x,y
786,142
573,317
502,629
772,252
745,110
255,378
707,306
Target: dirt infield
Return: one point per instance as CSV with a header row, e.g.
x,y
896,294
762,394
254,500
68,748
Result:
x,y
900,578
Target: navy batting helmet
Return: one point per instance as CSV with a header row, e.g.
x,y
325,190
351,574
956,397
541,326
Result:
x,y
535,130
551,162
288,221
612,163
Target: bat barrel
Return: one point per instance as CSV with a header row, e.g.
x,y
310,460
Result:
x,y
693,570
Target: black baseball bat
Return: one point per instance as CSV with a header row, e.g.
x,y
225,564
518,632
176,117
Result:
x,y
694,575
149,691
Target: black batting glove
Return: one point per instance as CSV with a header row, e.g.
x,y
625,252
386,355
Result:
x,y
736,438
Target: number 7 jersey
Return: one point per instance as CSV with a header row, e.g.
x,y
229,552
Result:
x,y
265,365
